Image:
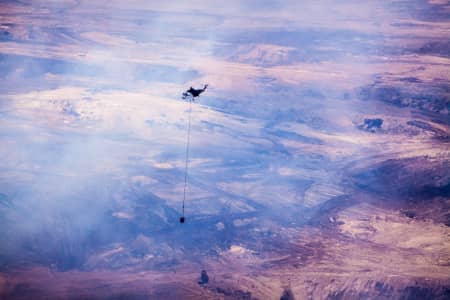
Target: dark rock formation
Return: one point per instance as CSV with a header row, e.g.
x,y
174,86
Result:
x,y
371,124
287,295
410,214
203,278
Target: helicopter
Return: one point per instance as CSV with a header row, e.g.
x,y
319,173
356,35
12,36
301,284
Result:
x,y
194,93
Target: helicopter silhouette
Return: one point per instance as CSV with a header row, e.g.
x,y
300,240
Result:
x,y
193,93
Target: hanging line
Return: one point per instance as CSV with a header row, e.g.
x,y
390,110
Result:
x,y
186,167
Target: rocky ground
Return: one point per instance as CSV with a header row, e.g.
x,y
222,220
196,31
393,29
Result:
x,y
319,164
